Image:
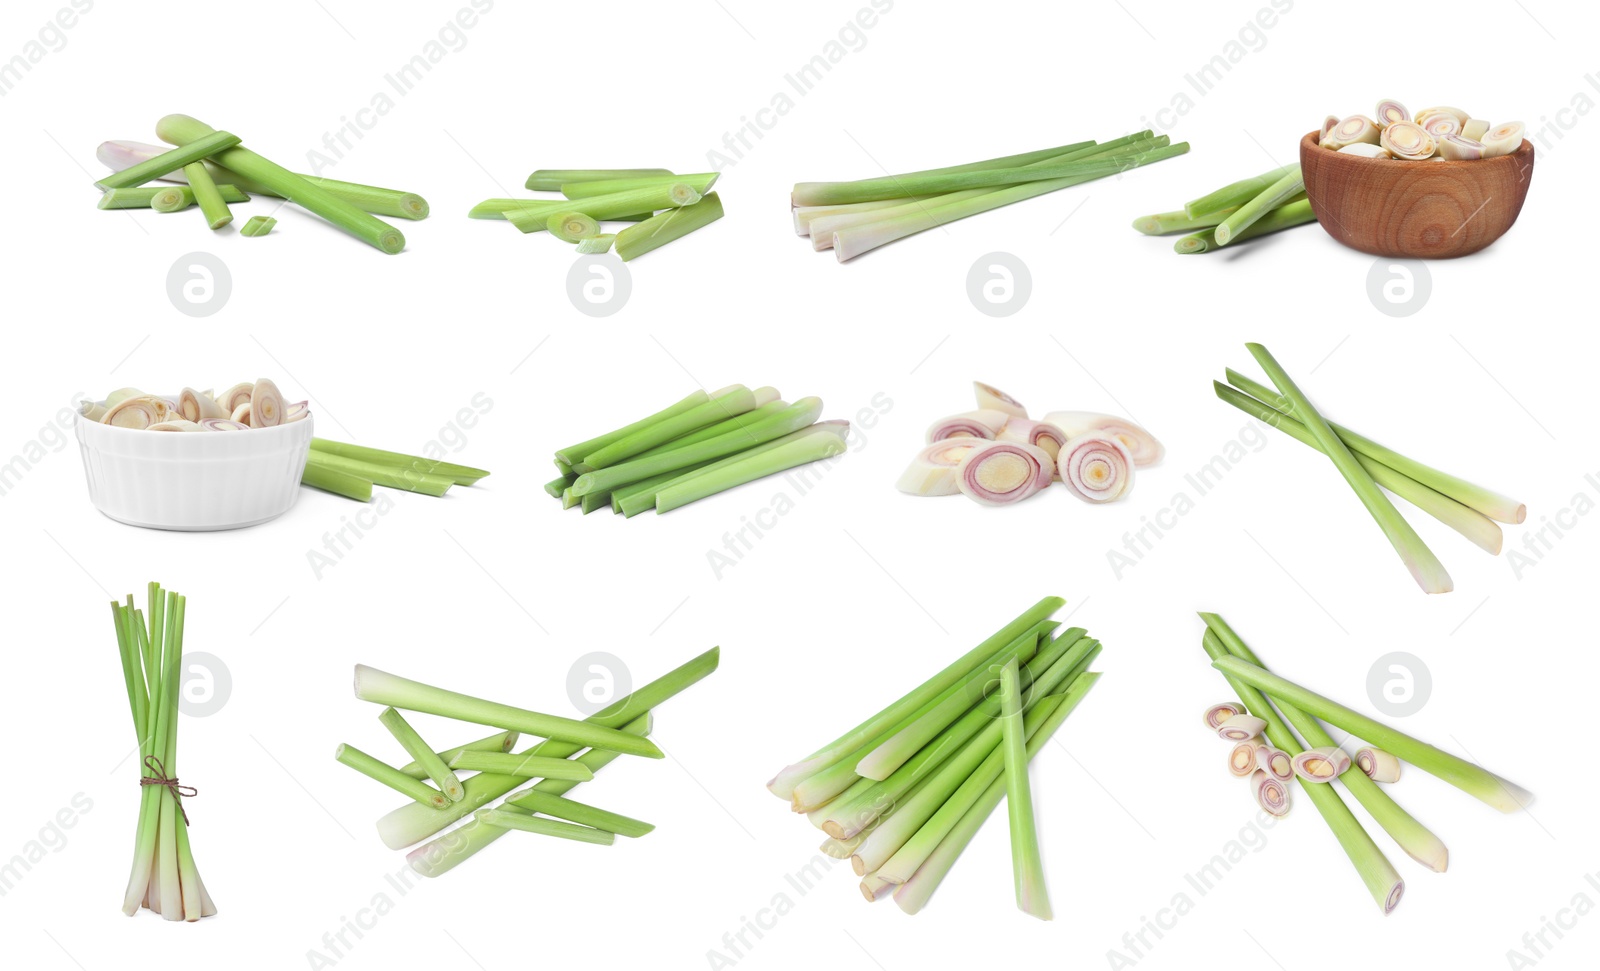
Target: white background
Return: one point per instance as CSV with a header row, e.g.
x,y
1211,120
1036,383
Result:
x,y
860,591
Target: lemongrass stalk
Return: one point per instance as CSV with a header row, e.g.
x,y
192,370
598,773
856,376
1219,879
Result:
x,y
544,827
1235,194
422,753
570,499
896,187
1003,161
1270,198
1162,223
1429,573
339,483
202,145
573,454
1500,793
1378,765
593,501
183,130
599,243
1026,866
1491,504
665,227
808,447
258,226
381,687
551,180
577,812
804,215
380,771
461,474
729,404
572,227
167,729
498,742
671,195
141,196
767,400
1465,520
783,783
700,182
1376,872
637,497
527,766
852,242
206,195
837,849
498,206
874,887
418,482
1296,212
949,840
409,824
145,690
1217,714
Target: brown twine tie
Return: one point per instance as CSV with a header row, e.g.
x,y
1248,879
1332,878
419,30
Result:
x,y
160,779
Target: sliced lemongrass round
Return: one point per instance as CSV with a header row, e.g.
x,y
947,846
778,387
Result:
x,y
1328,124
1140,444
572,227
122,394
933,471
241,414
1096,467
235,396
1321,764
1502,139
1378,765
1272,794
1366,150
266,405
94,411
1441,111
224,425
1217,714
1407,140
1275,762
1241,728
999,473
198,406
140,412
177,425
983,423
1458,148
1441,125
172,198
1389,112
1474,128
1242,759
992,398
296,411
1356,129
1036,433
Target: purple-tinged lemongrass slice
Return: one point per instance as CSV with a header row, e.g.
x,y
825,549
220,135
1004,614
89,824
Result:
x,y
1322,764
235,396
1354,130
1217,714
1441,125
999,473
1366,150
1475,129
266,405
1328,124
1389,112
1457,148
178,425
198,406
983,423
1242,759
933,471
1241,728
1275,762
1037,433
140,412
1271,794
1140,444
1096,467
224,425
1441,111
241,415
1407,140
1502,139
92,410
296,411
1379,766
991,397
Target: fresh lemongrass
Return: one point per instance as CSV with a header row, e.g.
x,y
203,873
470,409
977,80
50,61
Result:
x,y
1407,140
228,425
551,180
422,753
1274,762
804,215
331,480
874,887
207,196
388,477
195,406
380,771
808,445
498,742
138,412
384,688
1378,765
1445,111
1272,794
1270,198
1441,127
527,766
651,198
1475,129
1294,213
1321,764
983,423
637,497
266,404
900,186
1096,467
203,145
572,455
1457,148
1465,520
572,227
1328,124
991,398
257,226
1241,728
1500,793
1217,714
1235,194
665,227
1001,473
460,474
700,182
1242,758
186,131
1502,139
729,403
1041,435
1162,223
933,472
1389,112
544,827
577,812
142,196
1429,573
1356,129
1026,866
178,425
598,243
1142,445
1366,150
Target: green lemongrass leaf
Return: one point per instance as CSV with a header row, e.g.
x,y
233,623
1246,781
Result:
x,y
498,742
380,771
532,219
544,827
422,753
1162,223
258,226
573,454
386,476
1270,198
141,196
527,766
1027,868
665,227
1235,194
804,448
202,145
700,182
207,196
577,812
1296,212
551,180
399,461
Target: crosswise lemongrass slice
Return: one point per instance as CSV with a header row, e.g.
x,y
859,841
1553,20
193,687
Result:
x,y
933,471
1241,728
1096,467
1502,139
139,412
1242,758
1389,112
991,398
196,406
177,425
998,473
1140,444
1366,150
1458,148
1271,793
296,411
1036,433
572,227
1217,714
983,423
1408,140
1474,128
1441,125
224,425
1329,123
235,396
1322,764
1356,129
1378,765
1441,111
266,404
1275,762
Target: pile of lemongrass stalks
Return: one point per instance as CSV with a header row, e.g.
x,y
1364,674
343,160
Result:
x,y
694,448
468,779
249,404
214,170
1238,211
352,470
851,218
653,206
1466,508
903,793
1440,132
996,455
164,877
1290,717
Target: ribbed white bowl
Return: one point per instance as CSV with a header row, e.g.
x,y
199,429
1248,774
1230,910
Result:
x,y
194,480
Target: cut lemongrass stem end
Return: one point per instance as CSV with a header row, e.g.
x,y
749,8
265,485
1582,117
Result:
x,y
1270,198
1241,728
1321,764
520,764
544,827
1272,793
1217,714
572,227
422,753
498,742
665,227
577,812
1296,212
1162,223
1235,194
1242,758
1275,762
258,226
206,196
1378,765
390,776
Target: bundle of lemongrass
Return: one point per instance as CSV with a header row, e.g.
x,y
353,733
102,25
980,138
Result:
x,y
659,205
696,447
1238,211
996,455
1466,508
215,170
352,470
164,876
1434,133
469,778
249,404
903,793
851,218
1271,705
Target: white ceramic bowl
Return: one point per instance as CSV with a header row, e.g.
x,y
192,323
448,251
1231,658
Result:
x,y
194,480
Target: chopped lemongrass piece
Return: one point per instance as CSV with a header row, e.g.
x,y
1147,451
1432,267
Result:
x,y
527,766
460,474
551,180
577,812
1429,573
1242,758
1027,868
991,398
1378,765
196,406
1297,212
228,425
1365,150
1096,467
1328,124
331,480
665,227
1162,223
206,195
183,130
572,227
1270,198
544,827
1455,114
388,477
1389,112
1321,764
1241,728
934,470
1217,714
498,742
1459,149
1000,473
805,214
1271,793
1441,126
142,196
178,425
700,182
875,888
600,243
1039,434
1356,129
203,145
984,423
390,776
803,447
1502,139
384,688
1474,128
532,219
258,226
1142,445
422,753
574,454
1235,194
1274,762
730,403
1407,140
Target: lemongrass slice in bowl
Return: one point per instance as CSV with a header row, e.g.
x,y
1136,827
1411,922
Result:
x,y
224,425
1441,125
122,394
983,423
178,425
266,405
1039,434
1096,467
992,398
1271,794
296,411
1242,758
1378,765
241,415
1000,473
1217,714
1140,444
198,406
1459,148
1328,124
1241,728
1389,112
235,396
1407,140
1366,150
1322,764
1356,129
1475,129
1502,139
140,412
1275,762
933,471
1441,111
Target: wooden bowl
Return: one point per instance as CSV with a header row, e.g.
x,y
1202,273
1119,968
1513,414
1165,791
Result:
x,y
1410,210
